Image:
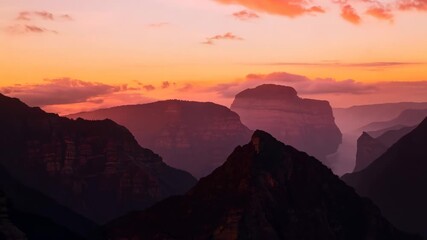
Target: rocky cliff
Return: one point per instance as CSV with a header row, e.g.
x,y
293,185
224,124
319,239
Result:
x,y
397,180
368,149
93,167
265,190
193,136
306,124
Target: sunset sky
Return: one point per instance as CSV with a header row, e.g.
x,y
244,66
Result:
x,y
75,55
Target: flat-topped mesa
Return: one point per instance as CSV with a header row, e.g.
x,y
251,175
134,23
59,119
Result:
x,y
306,124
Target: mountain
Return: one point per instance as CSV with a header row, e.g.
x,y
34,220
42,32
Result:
x,y
306,124
353,118
192,136
95,168
265,190
368,149
397,180
39,216
410,117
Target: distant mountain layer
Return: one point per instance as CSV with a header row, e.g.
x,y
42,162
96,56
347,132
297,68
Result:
x,y
96,168
410,117
397,180
193,136
306,124
353,118
265,190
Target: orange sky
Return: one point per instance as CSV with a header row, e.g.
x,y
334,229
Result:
x,y
78,55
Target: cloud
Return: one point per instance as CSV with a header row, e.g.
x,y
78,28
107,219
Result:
x,y
381,13
43,15
289,8
245,15
61,91
23,29
149,87
349,14
302,84
165,84
158,25
226,36
420,5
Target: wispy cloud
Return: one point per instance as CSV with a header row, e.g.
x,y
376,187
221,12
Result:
x,y
289,8
23,29
420,5
43,15
245,15
159,25
226,36
381,13
60,91
149,87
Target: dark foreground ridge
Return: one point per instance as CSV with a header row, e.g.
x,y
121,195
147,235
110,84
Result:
x,y
397,181
265,190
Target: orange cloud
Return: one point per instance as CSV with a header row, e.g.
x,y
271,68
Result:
x,y
349,14
413,5
380,13
289,8
245,15
226,36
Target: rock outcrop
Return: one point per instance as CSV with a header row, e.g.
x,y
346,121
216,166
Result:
x,y
265,190
96,168
192,136
410,117
397,180
368,149
306,124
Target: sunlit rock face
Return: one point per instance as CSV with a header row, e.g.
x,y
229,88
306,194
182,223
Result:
x,y
192,136
265,190
96,168
306,124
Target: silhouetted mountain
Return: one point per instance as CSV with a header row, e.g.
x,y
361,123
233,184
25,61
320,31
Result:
x,y
397,128
368,149
397,180
353,118
193,136
93,167
40,217
306,124
265,190
410,117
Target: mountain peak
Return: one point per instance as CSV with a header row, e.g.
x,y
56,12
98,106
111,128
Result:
x,y
265,190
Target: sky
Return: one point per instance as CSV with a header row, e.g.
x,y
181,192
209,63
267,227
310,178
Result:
x,y
68,56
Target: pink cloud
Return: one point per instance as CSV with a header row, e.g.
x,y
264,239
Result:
x,y
226,36
43,15
158,25
23,29
245,15
381,13
413,5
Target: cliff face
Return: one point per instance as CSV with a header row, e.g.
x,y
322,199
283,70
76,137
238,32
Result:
x,y
409,117
265,190
193,136
397,180
368,149
94,167
303,123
